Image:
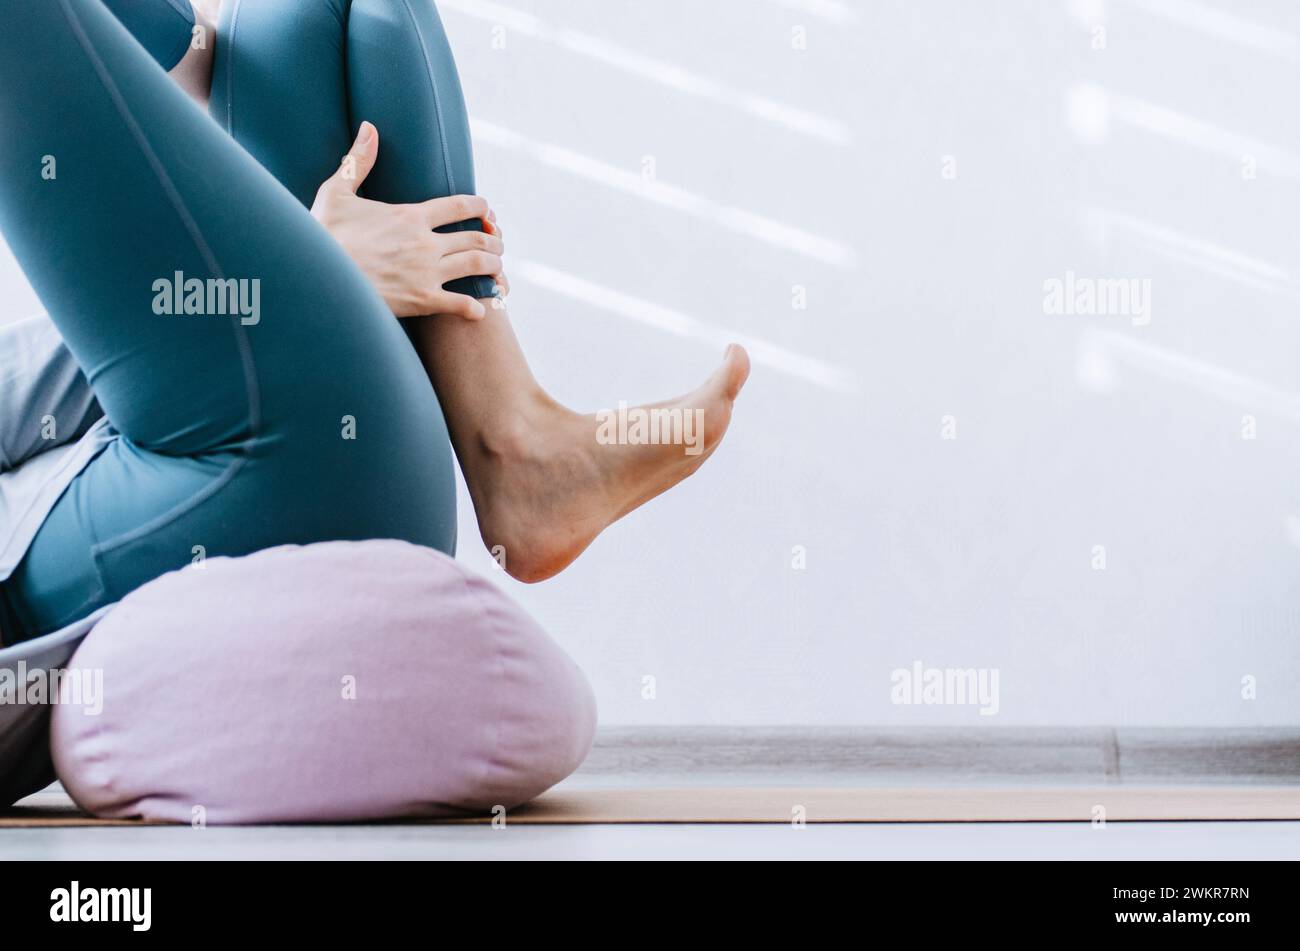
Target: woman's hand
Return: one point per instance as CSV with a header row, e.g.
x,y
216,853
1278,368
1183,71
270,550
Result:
x,y
395,245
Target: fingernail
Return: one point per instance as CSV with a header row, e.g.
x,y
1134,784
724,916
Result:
x,y
367,133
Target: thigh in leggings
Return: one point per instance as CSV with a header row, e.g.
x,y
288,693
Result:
x,y
336,63
233,432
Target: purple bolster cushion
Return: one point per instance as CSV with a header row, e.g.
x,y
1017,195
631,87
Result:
x,y
327,683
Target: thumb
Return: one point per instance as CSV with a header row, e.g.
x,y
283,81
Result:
x,y
356,165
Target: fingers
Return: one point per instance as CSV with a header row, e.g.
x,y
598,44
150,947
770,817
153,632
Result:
x,y
471,264
471,241
359,161
456,305
448,211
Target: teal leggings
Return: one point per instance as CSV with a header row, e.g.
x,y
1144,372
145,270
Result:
x,y
314,422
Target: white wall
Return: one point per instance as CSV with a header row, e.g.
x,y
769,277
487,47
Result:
x,y
824,168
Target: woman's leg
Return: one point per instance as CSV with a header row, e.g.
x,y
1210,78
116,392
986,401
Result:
x,y
47,400
292,83
545,480
543,483
402,78
301,416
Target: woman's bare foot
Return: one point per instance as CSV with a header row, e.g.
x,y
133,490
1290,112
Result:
x,y
547,481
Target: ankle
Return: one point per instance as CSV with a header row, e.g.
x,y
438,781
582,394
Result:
x,y
520,429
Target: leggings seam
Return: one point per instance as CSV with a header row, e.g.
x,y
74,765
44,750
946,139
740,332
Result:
x,y
437,99
177,512
230,69
200,243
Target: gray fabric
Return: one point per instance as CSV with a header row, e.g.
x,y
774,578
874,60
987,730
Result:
x,y
25,765
50,428
39,378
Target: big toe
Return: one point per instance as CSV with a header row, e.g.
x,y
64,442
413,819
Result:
x,y
731,376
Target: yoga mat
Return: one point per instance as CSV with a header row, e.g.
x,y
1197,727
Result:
x,y
820,805
59,819
55,809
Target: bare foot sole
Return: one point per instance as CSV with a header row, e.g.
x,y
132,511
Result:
x,y
546,488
